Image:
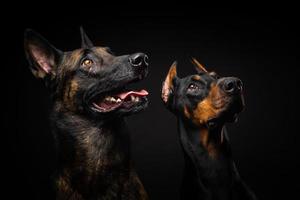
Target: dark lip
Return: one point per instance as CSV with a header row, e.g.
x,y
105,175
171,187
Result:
x,y
231,110
121,87
129,106
125,105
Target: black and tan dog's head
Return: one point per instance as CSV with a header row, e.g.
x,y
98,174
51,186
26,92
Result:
x,y
203,98
90,80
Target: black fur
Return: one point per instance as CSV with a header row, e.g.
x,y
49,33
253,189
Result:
x,y
202,108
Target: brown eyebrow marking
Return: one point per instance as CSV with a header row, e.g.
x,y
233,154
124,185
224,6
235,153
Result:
x,y
102,51
196,77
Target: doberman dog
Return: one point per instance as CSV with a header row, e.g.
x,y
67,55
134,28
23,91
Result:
x,y
89,89
203,103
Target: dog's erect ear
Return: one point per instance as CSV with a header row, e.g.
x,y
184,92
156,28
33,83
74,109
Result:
x,y
85,41
168,84
199,68
42,56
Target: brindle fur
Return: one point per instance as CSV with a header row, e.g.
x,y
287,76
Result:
x,y
93,148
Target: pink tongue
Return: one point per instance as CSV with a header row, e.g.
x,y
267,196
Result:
x,y
140,93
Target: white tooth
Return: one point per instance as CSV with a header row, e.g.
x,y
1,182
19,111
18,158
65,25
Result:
x,y
137,99
132,98
119,100
113,99
107,98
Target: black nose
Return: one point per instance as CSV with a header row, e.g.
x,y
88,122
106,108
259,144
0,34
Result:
x,y
232,85
139,60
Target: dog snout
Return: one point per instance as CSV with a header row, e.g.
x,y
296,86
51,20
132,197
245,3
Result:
x,y
140,60
231,85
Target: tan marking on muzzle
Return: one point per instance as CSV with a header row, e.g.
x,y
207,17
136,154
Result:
x,y
206,109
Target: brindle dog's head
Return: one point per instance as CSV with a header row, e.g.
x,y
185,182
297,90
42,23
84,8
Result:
x,y
204,98
90,80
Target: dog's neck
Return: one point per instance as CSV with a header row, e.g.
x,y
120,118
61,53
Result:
x,y
211,142
90,150
208,162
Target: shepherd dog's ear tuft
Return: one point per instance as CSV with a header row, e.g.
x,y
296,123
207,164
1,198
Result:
x,y
42,56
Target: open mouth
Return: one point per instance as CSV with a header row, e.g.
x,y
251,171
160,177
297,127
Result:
x,y
120,99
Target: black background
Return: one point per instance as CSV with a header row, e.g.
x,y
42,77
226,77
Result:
x,y
260,50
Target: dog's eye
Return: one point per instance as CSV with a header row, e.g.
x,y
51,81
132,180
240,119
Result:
x,y
87,62
193,87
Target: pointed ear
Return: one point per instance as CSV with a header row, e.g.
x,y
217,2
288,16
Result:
x,y
42,56
199,68
168,84
85,41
